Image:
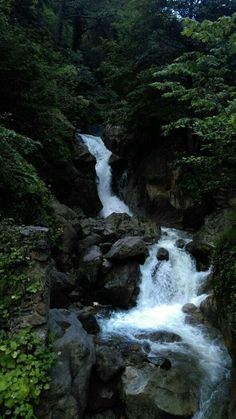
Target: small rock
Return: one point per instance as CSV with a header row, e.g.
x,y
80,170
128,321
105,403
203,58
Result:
x,y
180,243
162,254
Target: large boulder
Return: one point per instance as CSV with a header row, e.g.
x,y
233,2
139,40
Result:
x,y
150,392
209,311
121,285
202,253
67,397
129,247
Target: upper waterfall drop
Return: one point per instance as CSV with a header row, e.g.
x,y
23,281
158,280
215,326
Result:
x,y
110,202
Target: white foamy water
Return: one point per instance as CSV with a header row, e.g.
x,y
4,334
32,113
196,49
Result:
x,y
164,288
111,203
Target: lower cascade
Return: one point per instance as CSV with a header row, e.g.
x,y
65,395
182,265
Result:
x,y
193,364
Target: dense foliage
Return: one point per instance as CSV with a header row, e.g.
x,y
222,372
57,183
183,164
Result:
x,y
203,82
24,366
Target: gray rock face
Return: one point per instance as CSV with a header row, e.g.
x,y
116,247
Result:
x,y
129,247
67,397
153,393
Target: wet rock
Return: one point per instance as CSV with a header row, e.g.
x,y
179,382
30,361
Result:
x,y
189,308
89,267
88,321
202,252
161,362
162,254
67,397
121,285
161,336
109,363
129,247
208,309
180,243
150,392
194,315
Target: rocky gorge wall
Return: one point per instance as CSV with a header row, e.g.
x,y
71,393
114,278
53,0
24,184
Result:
x,y
147,177
96,268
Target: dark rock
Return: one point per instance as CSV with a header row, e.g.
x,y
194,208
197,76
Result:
x,y
194,315
106,266
62,285
105,247
209,311
129,247
89,267
91,240
180,243
88,321
107,414
161,336
202,252
101,395
189,308
161,362
82,189
109,363
67,397
162,254
121,285
119,140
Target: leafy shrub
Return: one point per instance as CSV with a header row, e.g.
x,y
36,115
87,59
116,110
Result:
x,y
24,196
24,365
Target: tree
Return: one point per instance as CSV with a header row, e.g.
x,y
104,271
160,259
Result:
x,y
203,83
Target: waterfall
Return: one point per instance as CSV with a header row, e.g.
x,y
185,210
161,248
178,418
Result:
x,y
165,287
110,202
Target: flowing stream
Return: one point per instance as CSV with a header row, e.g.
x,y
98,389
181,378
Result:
x,y
165,287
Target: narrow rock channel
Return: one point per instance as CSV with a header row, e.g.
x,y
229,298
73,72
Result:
x,y
176,364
